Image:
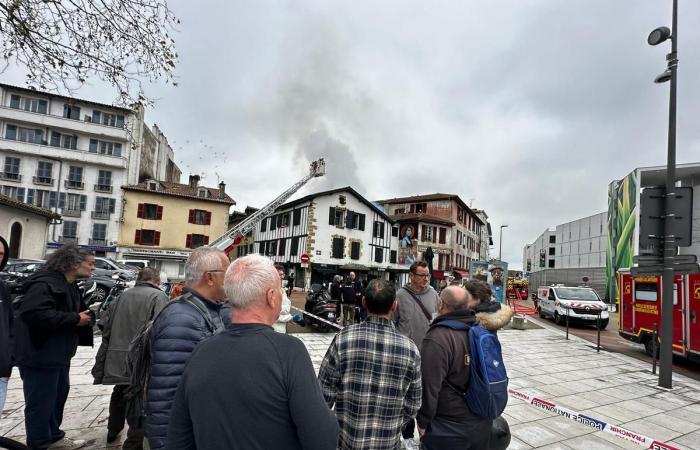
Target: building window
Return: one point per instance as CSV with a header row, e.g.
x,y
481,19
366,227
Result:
x,y
75,177
147,237
43,173
105,147
72,203
263,225
419,208
196,240
30,135
355,250
282,247
63,140
551,264
283,220
378,230
400,211
294,249
394,231
392,256
203,193
443,235
201,217
11,168
41,198
70,230
110,120
34,105
296,217
99,233
149,211
15,192
104,206
71,112
338,248
428,234
378,254
553,239
551,251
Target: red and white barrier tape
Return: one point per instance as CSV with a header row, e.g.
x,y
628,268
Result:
x,y
333,324
620,432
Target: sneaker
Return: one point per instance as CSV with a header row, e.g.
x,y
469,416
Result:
x,y
411,444
68,444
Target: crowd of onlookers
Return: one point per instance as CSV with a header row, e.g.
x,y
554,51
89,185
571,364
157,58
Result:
x,y
208,370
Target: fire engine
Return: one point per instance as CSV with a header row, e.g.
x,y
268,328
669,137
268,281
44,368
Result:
x,y
640,311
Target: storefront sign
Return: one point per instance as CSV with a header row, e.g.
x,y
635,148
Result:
x,y
155,252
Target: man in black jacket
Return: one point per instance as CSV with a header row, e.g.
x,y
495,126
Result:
x,y
52,321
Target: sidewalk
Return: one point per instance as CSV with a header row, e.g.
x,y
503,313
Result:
x,y
608,387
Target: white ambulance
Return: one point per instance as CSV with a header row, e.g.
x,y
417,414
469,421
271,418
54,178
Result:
x,y
581,304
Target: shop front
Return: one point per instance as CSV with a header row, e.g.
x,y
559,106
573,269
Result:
x,y
170,263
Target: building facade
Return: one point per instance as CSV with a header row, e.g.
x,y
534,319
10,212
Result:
x,y
25,227
162,222
443,223
328,233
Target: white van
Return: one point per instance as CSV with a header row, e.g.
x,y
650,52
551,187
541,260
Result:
x,y
139,263
581,304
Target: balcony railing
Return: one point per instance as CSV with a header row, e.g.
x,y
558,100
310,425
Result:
x,y
70,212
46,181
94,241
68,239
10,176
100,215
71,184
103,188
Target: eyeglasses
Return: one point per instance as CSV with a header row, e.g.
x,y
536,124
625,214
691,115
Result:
x,y
421,275
212,271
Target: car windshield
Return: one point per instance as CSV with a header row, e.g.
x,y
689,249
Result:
x,y
577,294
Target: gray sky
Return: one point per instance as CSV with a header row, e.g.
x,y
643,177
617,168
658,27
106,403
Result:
x,y
526,108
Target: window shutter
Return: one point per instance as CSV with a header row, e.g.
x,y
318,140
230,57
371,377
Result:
x,y
331,216
382,226
159,212
206,240
83,202
297,216
392,257
139,211
30,196
62,200
362,222
273,223
192,217
349,216
263,225
207,218
52,199
20,194
156,238
112,205
378,254
137,237
188,242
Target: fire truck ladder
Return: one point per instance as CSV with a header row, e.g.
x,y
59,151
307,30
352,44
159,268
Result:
x,y
229,240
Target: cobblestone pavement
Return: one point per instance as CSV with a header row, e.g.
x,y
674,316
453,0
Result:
x,y
606,386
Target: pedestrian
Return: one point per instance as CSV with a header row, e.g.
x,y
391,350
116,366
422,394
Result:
x,y
125,318
348,293
199,312
371,374
5,327
51,321
445,421
281,324
417,306
491,314
335,288
249,387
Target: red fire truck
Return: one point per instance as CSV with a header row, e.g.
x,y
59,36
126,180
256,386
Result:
x,y
640,311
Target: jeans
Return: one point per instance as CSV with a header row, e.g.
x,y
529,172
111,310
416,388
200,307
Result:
x,y
3,393
118,415
45,394
348,314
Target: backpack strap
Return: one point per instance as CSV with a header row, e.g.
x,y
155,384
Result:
x,y
201,309
422,306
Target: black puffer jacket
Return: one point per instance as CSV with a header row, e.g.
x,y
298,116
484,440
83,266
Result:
x,y
46,331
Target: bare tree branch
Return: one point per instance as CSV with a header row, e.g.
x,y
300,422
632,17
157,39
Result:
x,y
63,43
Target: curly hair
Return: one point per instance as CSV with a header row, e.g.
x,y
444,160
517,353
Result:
x,y
478,290
67,258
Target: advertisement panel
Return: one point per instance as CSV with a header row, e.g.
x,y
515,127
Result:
x,y
622,217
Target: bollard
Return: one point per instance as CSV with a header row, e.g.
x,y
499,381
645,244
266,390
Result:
x,y
653,351
597,320
567,322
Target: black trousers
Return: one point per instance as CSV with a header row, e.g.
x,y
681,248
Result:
x,y
444,434
118,415
45,394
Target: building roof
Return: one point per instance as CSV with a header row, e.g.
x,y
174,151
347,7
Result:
x,y
431,197
181,190
422,217
63,97
310,197
9,201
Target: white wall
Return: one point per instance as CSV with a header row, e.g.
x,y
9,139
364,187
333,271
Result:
x,y
34,226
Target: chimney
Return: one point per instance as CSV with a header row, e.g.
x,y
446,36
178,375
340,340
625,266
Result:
x,y
194,181
222,190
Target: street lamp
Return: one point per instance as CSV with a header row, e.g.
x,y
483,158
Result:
x,y
500,242
656,37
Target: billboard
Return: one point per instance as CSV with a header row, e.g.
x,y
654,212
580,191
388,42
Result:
x,y
623,198
493,273
408,244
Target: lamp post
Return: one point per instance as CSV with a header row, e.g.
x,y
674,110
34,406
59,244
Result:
x,y
500,242
656,37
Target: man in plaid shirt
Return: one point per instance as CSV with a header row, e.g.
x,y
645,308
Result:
x,y
371,373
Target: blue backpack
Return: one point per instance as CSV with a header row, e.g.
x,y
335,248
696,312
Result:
x,y
487,392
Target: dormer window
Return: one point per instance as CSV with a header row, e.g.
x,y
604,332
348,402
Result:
x,y
202,193
152,186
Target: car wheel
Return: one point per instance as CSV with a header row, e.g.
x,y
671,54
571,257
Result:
x,y
557,318
604,324
542,315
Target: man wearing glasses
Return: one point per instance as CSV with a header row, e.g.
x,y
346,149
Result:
x,y
197,314
417,306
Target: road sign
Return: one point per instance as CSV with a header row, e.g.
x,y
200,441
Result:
x,y
658,269
304,258
651,216
585,279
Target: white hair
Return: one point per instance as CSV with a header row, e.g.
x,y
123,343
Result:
x,y
201,260
248,279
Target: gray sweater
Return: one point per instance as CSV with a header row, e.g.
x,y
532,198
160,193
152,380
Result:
x,y
409,318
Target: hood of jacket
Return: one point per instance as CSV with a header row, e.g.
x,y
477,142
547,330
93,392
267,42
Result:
x,y
55,279
463,315
493,316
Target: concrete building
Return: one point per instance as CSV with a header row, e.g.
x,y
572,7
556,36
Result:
x,y
71,155
25,227
443,222
162,222
336,231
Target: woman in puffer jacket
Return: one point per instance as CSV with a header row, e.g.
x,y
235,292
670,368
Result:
x,y
492,315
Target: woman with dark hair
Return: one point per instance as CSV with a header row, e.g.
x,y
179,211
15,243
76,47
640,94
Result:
x,y
492,315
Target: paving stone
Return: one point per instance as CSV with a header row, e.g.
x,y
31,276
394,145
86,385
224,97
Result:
x,y
618,441
555,446
534,434
526,413
673,423
515,444
617,412
639,407
576,402
564,427
590,442
690,440
688,413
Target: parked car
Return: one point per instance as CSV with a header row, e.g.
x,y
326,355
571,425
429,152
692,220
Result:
x,y
581,304
106,267
136,263
16,272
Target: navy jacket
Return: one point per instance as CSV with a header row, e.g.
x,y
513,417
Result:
x,y
5,331
176,332
46,332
